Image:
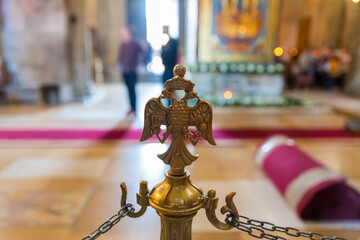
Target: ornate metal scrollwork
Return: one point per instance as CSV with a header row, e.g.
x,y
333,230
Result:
x,y
211,204
142,198
177,118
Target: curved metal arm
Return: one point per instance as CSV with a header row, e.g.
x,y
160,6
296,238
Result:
x,y
211,204
141,197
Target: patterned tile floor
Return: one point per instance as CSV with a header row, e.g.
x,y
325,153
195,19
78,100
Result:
x,y
62,190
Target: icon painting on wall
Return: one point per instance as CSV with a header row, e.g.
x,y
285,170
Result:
x,y
237,30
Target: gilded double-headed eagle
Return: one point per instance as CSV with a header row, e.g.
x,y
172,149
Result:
x,y
177,118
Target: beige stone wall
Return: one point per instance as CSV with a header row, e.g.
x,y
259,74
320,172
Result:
x,y
351,40
35,44
292,11
91,7
327,21
36,35
107,17
353,83
79,49
96,34
43,48
350,37
335,23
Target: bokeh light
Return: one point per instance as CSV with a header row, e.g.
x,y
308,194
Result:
x,y
242,30
228,94
278,51
156,66
293,52
165,39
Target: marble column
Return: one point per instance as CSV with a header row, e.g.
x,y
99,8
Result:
x,y
350,41
111,18
353,83
79,49
334,22
182,27
4,70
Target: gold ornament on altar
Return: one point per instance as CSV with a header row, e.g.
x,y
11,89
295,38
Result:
x,y
238,28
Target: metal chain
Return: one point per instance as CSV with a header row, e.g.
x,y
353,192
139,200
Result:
x,y
106,226
258,229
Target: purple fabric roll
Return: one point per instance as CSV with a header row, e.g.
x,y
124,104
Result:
x,y
312,190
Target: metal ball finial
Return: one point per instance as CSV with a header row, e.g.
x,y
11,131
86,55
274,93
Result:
x,y
179,70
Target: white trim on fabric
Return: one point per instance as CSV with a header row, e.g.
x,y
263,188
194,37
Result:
x,y
270,144
299,187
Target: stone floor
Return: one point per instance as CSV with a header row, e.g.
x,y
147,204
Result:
x,y
63,190
108,108
336,100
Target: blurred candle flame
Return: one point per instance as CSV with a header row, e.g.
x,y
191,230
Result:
x,y
228,94
278,51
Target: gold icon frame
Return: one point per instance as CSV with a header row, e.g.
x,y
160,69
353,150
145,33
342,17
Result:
x,y
206,53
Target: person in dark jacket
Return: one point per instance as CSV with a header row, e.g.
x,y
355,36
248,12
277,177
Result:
x,y
169,54
130,53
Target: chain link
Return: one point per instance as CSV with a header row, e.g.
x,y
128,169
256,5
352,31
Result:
x,y
254,228
106,226
258,229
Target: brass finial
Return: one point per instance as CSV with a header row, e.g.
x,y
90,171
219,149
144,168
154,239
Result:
x,y
179,70
177,199
177,118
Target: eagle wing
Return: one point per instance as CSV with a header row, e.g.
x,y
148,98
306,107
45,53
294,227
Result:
x,y
201,117
155,116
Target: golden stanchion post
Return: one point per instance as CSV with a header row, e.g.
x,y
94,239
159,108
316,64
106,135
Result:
x,y
177,199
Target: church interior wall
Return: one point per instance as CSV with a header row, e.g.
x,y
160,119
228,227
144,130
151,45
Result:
x,y
35,37
37,48
32,29
333,25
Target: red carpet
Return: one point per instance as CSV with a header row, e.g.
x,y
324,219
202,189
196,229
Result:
x,y
134,134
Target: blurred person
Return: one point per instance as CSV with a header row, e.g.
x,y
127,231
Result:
x,y
169,57
292,72
320,58
306,64
3,81
344,67
168,54
331,68
130,53
148,53
317,67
